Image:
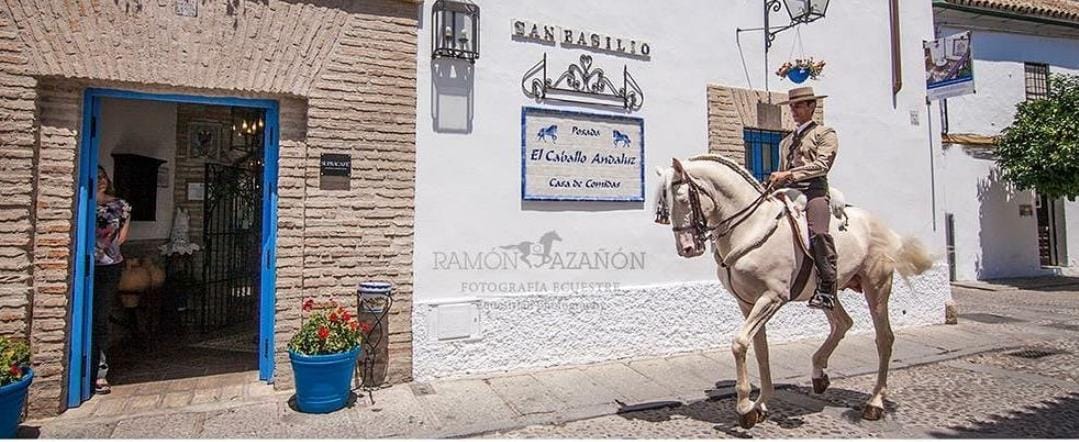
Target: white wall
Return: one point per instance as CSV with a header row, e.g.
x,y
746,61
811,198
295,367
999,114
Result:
x,y
1071,229
146,128
468,179
992,239
999,77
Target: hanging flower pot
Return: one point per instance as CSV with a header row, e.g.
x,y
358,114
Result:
x,y
801,70
798,75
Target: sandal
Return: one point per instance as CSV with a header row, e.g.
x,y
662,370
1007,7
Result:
x,y
102,387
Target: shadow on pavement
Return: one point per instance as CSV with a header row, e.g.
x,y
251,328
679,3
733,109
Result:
x,y
1039,284
787,409
1053,418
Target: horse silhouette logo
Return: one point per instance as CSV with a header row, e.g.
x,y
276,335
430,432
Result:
x,y
541,248
621,139
549,131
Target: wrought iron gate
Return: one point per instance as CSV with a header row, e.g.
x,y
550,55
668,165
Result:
x,y
232,226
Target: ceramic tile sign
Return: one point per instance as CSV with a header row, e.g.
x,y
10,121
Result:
x,y
335,171
574,156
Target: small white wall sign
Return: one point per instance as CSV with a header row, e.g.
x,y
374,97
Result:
x,y
196,191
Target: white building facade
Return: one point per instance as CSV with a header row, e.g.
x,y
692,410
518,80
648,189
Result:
x,y
514,270
998,231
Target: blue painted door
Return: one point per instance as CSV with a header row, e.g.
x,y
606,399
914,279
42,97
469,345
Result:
x,y
79,387
83,261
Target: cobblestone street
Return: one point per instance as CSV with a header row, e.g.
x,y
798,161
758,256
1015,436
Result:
x,y
998,394
1010,368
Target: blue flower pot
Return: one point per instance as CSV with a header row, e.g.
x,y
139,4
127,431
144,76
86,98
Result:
x,y
12,399
323,382
798,75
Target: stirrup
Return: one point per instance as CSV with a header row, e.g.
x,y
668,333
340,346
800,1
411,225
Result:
x,y
822,301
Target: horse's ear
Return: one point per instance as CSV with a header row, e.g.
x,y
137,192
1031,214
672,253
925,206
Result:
x,y
678,169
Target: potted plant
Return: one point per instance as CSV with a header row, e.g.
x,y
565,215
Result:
x,y
15,378
323,354
801,69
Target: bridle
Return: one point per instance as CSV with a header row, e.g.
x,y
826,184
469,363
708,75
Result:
x,y
698,223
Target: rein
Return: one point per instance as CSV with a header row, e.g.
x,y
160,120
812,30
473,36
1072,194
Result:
x,y
699,222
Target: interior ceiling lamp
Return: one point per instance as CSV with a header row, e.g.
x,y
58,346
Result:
x,y
800,11
455,30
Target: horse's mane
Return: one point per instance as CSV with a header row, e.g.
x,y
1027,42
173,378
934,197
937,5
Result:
x,y
733,166
664,192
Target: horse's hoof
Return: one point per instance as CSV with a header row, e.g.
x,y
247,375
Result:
x,y
872,413
821,384
762,416
750,419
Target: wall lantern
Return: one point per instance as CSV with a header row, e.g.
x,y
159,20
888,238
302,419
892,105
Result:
x,y
804,11
800,11
455,30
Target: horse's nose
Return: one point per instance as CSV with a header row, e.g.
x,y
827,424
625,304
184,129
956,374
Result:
x,y
686,250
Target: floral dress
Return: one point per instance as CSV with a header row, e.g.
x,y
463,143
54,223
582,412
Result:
x,y
111,218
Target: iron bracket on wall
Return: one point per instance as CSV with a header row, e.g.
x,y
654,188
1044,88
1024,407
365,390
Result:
x,y
582,83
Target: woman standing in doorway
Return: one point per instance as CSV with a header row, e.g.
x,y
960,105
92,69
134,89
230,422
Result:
x,y
113,216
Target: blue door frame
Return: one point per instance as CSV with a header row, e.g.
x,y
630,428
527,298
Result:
x,y
83,284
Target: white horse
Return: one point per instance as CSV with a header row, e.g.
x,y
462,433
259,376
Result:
x,y
711,197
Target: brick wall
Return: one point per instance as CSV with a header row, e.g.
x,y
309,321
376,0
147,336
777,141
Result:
x,y
193,169
59,109
732,110
17,141
344,75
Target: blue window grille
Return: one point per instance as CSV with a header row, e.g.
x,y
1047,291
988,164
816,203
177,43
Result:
x,y
762,152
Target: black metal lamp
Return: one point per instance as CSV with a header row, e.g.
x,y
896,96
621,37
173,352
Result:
x,y
455,30
806,11
800,11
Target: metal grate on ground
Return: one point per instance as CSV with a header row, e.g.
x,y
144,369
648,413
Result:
x,y
1036,353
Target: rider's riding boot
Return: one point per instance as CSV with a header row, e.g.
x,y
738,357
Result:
x,y
823,249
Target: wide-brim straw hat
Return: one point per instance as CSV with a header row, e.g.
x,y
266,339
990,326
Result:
x,y
801,94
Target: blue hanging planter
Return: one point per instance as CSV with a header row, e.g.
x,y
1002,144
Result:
x,y
798,75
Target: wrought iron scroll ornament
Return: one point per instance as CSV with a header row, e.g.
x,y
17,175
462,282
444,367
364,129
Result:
x,y
582,83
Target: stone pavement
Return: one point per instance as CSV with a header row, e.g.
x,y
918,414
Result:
x,y
946,381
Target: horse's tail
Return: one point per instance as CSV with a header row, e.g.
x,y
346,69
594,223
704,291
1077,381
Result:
x,y
892,252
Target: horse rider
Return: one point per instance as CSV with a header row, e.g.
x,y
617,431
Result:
x,y
806,156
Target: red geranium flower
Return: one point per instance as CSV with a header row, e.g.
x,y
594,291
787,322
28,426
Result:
x,y
16,371
323,333
366,327
345,316
353,325
333,317
308,304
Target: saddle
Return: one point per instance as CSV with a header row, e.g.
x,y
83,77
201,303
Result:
x,y
795,203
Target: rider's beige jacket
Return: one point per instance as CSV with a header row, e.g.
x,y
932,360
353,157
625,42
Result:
x,y
813,155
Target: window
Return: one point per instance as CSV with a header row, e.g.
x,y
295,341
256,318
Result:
x,y
762,152
1037,78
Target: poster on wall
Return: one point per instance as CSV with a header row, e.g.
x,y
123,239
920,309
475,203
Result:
x,y
575,156
949,67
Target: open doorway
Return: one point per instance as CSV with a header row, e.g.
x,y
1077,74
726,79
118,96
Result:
x,y
188,300
196,290
1050,214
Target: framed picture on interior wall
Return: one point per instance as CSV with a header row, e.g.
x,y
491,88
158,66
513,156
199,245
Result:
x,y
163,177
203,140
